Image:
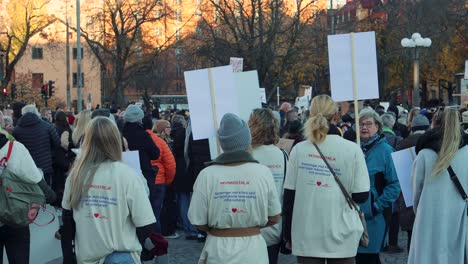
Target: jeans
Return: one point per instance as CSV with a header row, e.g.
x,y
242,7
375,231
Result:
x,y
183,200
119,258
16,242
157,192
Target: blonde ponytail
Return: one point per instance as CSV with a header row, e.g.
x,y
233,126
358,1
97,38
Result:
x,y
452,138
322,110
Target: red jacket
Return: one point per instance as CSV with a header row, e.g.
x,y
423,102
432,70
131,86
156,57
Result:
x,y
165,162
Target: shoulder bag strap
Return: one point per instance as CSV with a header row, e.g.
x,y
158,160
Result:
x,y
5,159
457,183
285,156
348,198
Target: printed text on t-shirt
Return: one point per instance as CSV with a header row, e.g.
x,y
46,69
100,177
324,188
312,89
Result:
x,y
238,196
315,169
99,201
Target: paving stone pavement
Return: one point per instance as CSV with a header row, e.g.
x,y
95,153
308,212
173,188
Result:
x,y
183,251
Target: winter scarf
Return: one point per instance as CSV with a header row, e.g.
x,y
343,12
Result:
x,y
232,157
366,146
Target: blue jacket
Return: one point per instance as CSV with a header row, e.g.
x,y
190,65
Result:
x,y
384,190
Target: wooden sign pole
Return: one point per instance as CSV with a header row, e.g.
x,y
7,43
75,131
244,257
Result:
x,y
213,107
355,96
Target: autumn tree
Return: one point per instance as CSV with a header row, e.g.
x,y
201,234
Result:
x,y
121,43
265,34
25,18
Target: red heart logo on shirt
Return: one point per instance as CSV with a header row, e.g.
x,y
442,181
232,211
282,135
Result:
x,y
234,210
96,215
319,183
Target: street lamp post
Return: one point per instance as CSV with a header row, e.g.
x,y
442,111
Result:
x,y
415,42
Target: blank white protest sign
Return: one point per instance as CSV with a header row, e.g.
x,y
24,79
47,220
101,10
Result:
x,y
341,66
247,87
403,161
200,96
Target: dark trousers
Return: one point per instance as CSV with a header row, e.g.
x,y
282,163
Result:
x,y
367,258
394,229
157,192
410,233
169,212
311,260
273,252
16,242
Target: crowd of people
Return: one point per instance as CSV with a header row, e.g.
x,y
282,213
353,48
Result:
x,y
254,200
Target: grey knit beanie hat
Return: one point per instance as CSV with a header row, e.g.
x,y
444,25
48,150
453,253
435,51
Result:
x,y
420,122
133,114
234,134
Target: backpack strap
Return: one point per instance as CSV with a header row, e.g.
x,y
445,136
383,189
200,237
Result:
x,y
4,160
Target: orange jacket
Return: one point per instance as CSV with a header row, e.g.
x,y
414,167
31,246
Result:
x,y
165,162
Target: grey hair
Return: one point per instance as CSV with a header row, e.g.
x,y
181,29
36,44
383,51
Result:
x,y
178,119
369,113
388,120
29,109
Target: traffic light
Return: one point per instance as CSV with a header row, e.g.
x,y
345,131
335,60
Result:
x,y
44,91
4,91
51,88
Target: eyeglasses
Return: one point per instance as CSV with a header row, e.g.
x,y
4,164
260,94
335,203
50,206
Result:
x,y
366,124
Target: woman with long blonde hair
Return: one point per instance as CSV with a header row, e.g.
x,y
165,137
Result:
x,y
82,122
110,205
440,202
312,197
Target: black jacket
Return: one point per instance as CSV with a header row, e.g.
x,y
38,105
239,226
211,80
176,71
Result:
x,y
39,137
139,139
182,181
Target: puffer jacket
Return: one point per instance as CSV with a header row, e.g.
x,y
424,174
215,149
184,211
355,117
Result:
x,y
39,137
165,162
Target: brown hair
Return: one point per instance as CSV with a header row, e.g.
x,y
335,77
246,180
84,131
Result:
x,y
264,127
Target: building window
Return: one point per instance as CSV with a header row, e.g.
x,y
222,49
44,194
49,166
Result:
x,y
157,13
178,71
75,53
158,32
179,87
178,15
37,80
75,79
177,2
37,53
198,2
178,53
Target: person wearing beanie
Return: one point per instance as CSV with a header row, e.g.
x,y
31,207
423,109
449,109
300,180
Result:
x,y
162,128
419,125
133,114
233,198
138,139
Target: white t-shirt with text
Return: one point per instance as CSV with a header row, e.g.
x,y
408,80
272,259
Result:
x,y
323,225
272,157
234,197
112,207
